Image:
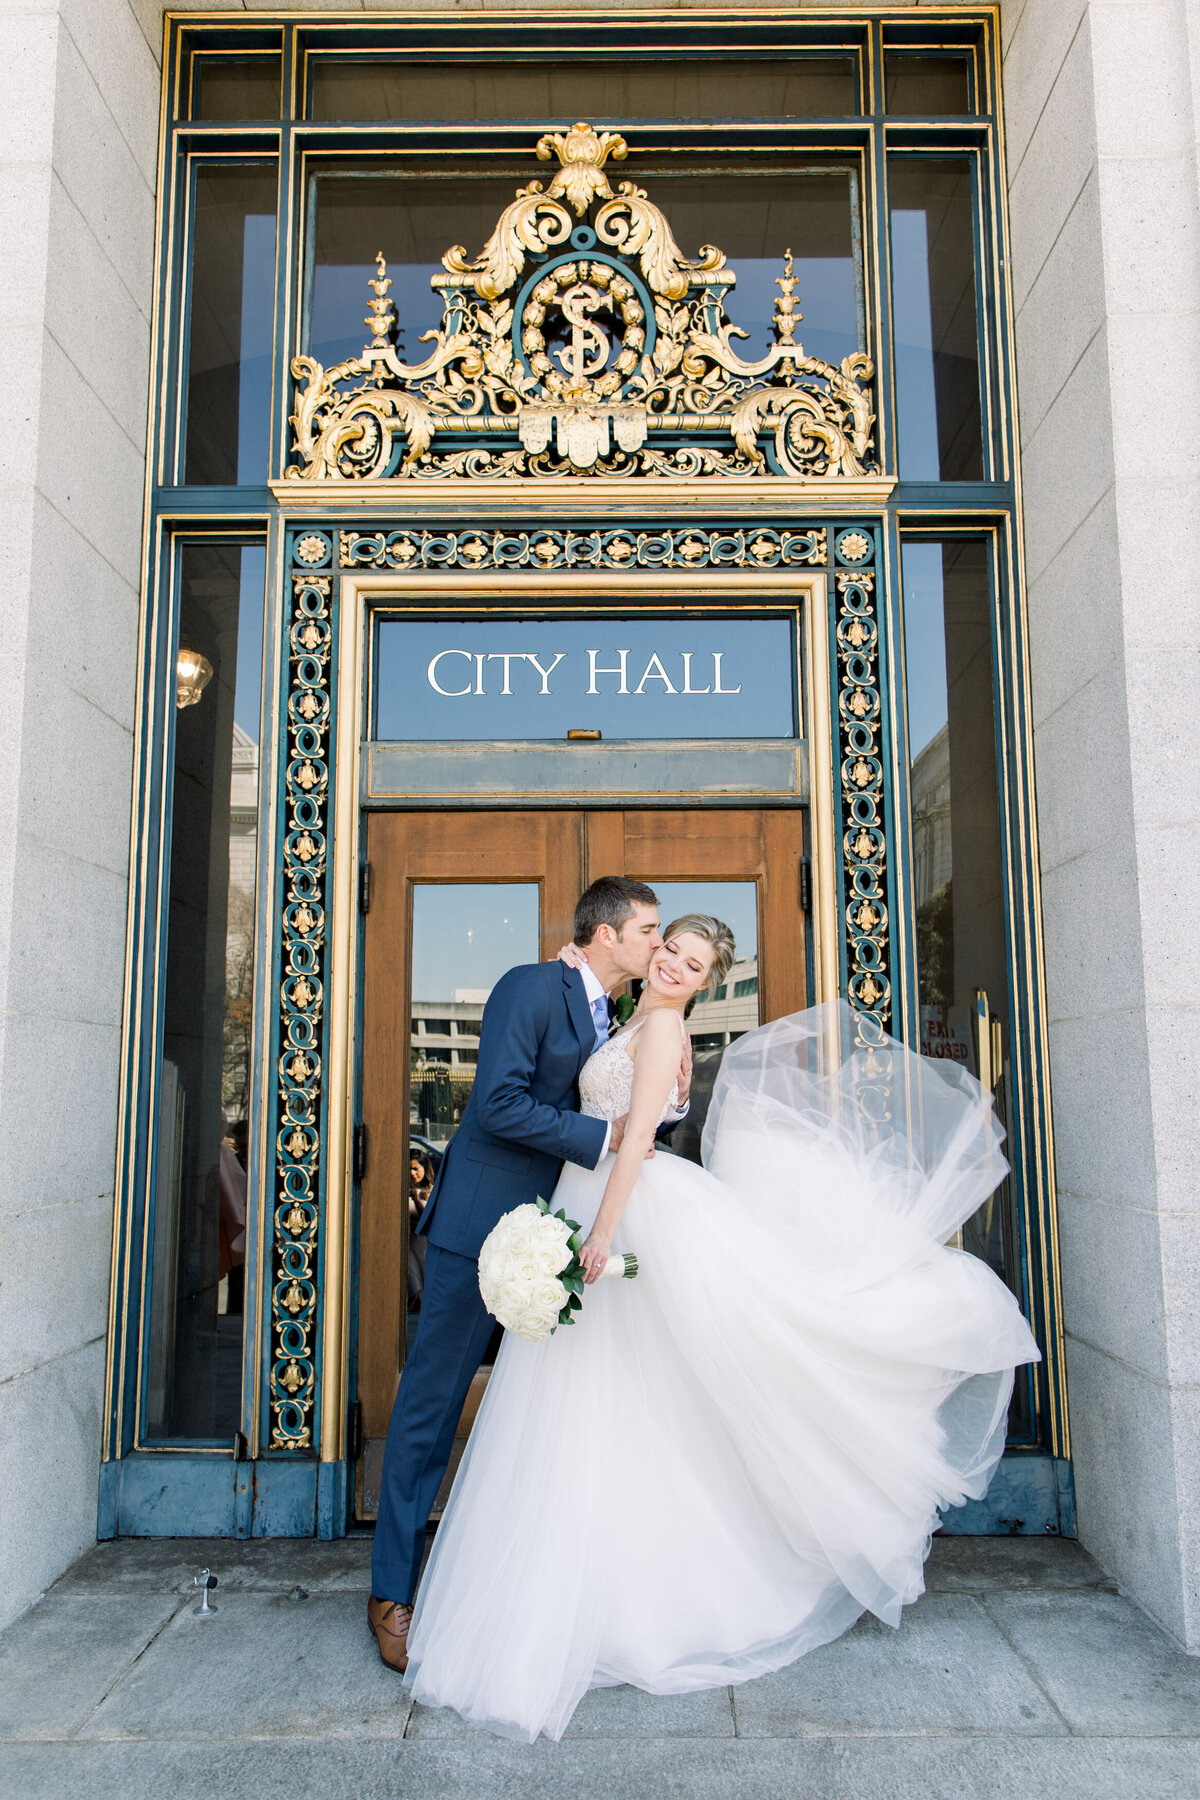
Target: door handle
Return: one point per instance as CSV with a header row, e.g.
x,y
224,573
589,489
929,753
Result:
x,y
989,1042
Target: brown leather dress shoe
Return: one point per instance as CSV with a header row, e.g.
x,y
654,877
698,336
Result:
x,y
389,1621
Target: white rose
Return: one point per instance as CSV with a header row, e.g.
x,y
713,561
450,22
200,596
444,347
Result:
x,y
550,1297
501,1266
528,1323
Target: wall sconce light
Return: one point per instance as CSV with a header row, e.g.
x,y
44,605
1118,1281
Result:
x,y
193,673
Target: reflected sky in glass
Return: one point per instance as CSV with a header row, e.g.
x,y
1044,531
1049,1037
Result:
x,y
924,644
251,597
912,318
465,935
256,348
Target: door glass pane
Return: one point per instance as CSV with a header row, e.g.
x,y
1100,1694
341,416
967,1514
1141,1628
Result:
x,y
718,1018
962,963
232,324
236,87
927,84
754,218
198,1250
935,319
464,937
543,92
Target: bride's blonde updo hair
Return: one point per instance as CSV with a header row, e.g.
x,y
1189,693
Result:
x,y
714,932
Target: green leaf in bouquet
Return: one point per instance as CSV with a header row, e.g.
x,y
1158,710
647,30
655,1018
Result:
x,y
575,1242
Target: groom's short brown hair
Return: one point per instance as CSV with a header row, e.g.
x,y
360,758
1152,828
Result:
x,y
609,901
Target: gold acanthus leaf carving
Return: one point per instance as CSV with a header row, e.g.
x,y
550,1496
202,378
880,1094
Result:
x,y
530,224
582,153
632,224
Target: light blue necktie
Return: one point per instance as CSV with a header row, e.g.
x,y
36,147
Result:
x,y
600,1018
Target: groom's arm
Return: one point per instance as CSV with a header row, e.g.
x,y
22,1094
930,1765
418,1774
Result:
x,y
514,1022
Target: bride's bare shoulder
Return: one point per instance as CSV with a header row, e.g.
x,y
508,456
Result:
x,y
662,1027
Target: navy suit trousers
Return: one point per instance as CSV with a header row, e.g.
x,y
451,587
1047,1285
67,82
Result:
x,y
452,1337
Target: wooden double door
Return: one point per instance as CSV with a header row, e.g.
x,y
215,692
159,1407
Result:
x,y
458,897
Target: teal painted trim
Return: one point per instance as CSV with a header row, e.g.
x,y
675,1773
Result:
x,y
226,505
946,501
333,1495
877,247
741,769
585,40
1031,1495
287,224
106,1508
164,1494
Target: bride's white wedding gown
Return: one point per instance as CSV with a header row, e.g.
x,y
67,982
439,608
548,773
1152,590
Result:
x,y
724,1462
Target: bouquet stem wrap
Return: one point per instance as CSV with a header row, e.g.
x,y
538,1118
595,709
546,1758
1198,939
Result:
x,y
530,1274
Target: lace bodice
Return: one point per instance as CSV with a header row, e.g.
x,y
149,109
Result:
x,y
606,1082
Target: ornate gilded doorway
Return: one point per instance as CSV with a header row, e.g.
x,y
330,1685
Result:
x,y
653,373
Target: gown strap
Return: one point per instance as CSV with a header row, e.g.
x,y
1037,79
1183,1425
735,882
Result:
x,y
627,1035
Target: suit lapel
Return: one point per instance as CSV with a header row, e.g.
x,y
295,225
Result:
x,y
580,1011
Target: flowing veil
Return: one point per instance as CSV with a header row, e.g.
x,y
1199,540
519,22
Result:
x,y
834,1076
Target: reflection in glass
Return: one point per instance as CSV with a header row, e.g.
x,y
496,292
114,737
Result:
x,y
753,218
962,964
933,85
236,87
812,86
718,1018
464,938
232,323
935,319
198,1254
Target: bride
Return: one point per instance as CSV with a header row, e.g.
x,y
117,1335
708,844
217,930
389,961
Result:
x,y
728,1460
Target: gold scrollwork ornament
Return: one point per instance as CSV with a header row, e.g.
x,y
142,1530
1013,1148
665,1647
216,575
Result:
x,y
643,345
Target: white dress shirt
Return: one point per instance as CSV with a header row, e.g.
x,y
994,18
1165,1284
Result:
x,y
595,992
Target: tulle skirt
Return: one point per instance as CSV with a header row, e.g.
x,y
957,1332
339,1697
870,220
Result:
x,y
729,1459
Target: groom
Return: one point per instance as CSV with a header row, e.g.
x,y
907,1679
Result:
x,y
521,1123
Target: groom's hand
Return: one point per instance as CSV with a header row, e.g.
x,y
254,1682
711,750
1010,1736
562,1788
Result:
x,y
685,1072
618,1136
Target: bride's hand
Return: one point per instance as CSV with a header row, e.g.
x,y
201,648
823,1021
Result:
x,y
573,956
594,1257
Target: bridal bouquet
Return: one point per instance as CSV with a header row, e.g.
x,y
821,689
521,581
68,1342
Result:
x,y
530,1274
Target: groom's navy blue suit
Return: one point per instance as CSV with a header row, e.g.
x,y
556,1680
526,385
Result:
x,y
518,1128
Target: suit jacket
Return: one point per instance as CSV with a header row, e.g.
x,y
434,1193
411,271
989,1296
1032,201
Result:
x,y
521,1121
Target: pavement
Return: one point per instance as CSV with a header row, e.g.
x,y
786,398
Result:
x,y
1022,1672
